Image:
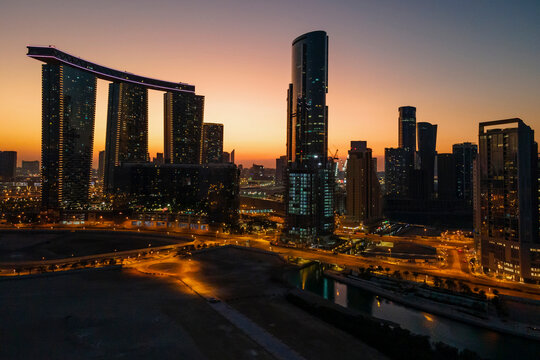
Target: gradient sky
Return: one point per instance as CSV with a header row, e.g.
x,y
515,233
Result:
x,y
458,62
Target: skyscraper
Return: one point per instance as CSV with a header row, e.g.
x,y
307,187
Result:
x,y
183,127
363,188
407,128
212,143
127,128
8,165
68,111
507,224
464,155
310,180
30,167
427,142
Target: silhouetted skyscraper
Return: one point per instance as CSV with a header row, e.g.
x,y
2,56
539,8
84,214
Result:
x,y
464,155
310,180
212,143
363,188
407,128
427,142
183,127
446,177
507,224
127,128
8,165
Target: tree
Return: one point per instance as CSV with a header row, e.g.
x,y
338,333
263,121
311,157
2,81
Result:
x,y
415,274
450,284
396,274
495,292
387,270
406,273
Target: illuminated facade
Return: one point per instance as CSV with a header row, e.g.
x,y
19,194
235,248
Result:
x,y
309,176
127,128
507,222
183,128
68,111
212,143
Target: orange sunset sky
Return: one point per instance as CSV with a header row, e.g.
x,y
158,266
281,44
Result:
x,y
458,62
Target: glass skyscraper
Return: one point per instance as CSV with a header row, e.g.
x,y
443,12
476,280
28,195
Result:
x,y
309,180
427,142
68,111
183,127
507,213
127,128
212,143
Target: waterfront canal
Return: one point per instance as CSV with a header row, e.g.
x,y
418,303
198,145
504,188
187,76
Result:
x,y
487,343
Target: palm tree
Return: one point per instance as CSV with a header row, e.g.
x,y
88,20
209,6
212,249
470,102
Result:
x,y
406,273
387,271
415,274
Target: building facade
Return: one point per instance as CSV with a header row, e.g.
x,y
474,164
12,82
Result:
x,y
446,177
8,165
427,143
309,177
68,112
396,172
127,128
507,221
363,188
464,155
212,143
183,128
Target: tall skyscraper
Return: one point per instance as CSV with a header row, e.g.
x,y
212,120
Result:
x,y
310,180
407,128
507,224
8,165
427,142
464,155
183,127
68,111
363,188
446,177
127,128
101,165
212,143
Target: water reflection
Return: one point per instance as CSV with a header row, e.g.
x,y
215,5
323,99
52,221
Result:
x,y
486,343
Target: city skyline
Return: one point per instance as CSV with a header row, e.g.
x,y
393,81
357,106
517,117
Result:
x,y
461,66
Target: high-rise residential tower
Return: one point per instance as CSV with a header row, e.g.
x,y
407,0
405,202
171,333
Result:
x,y
309,179
464,155
363,188
101,165
507,225
127,128
68,111
446,177
396,172
183,128
212,143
